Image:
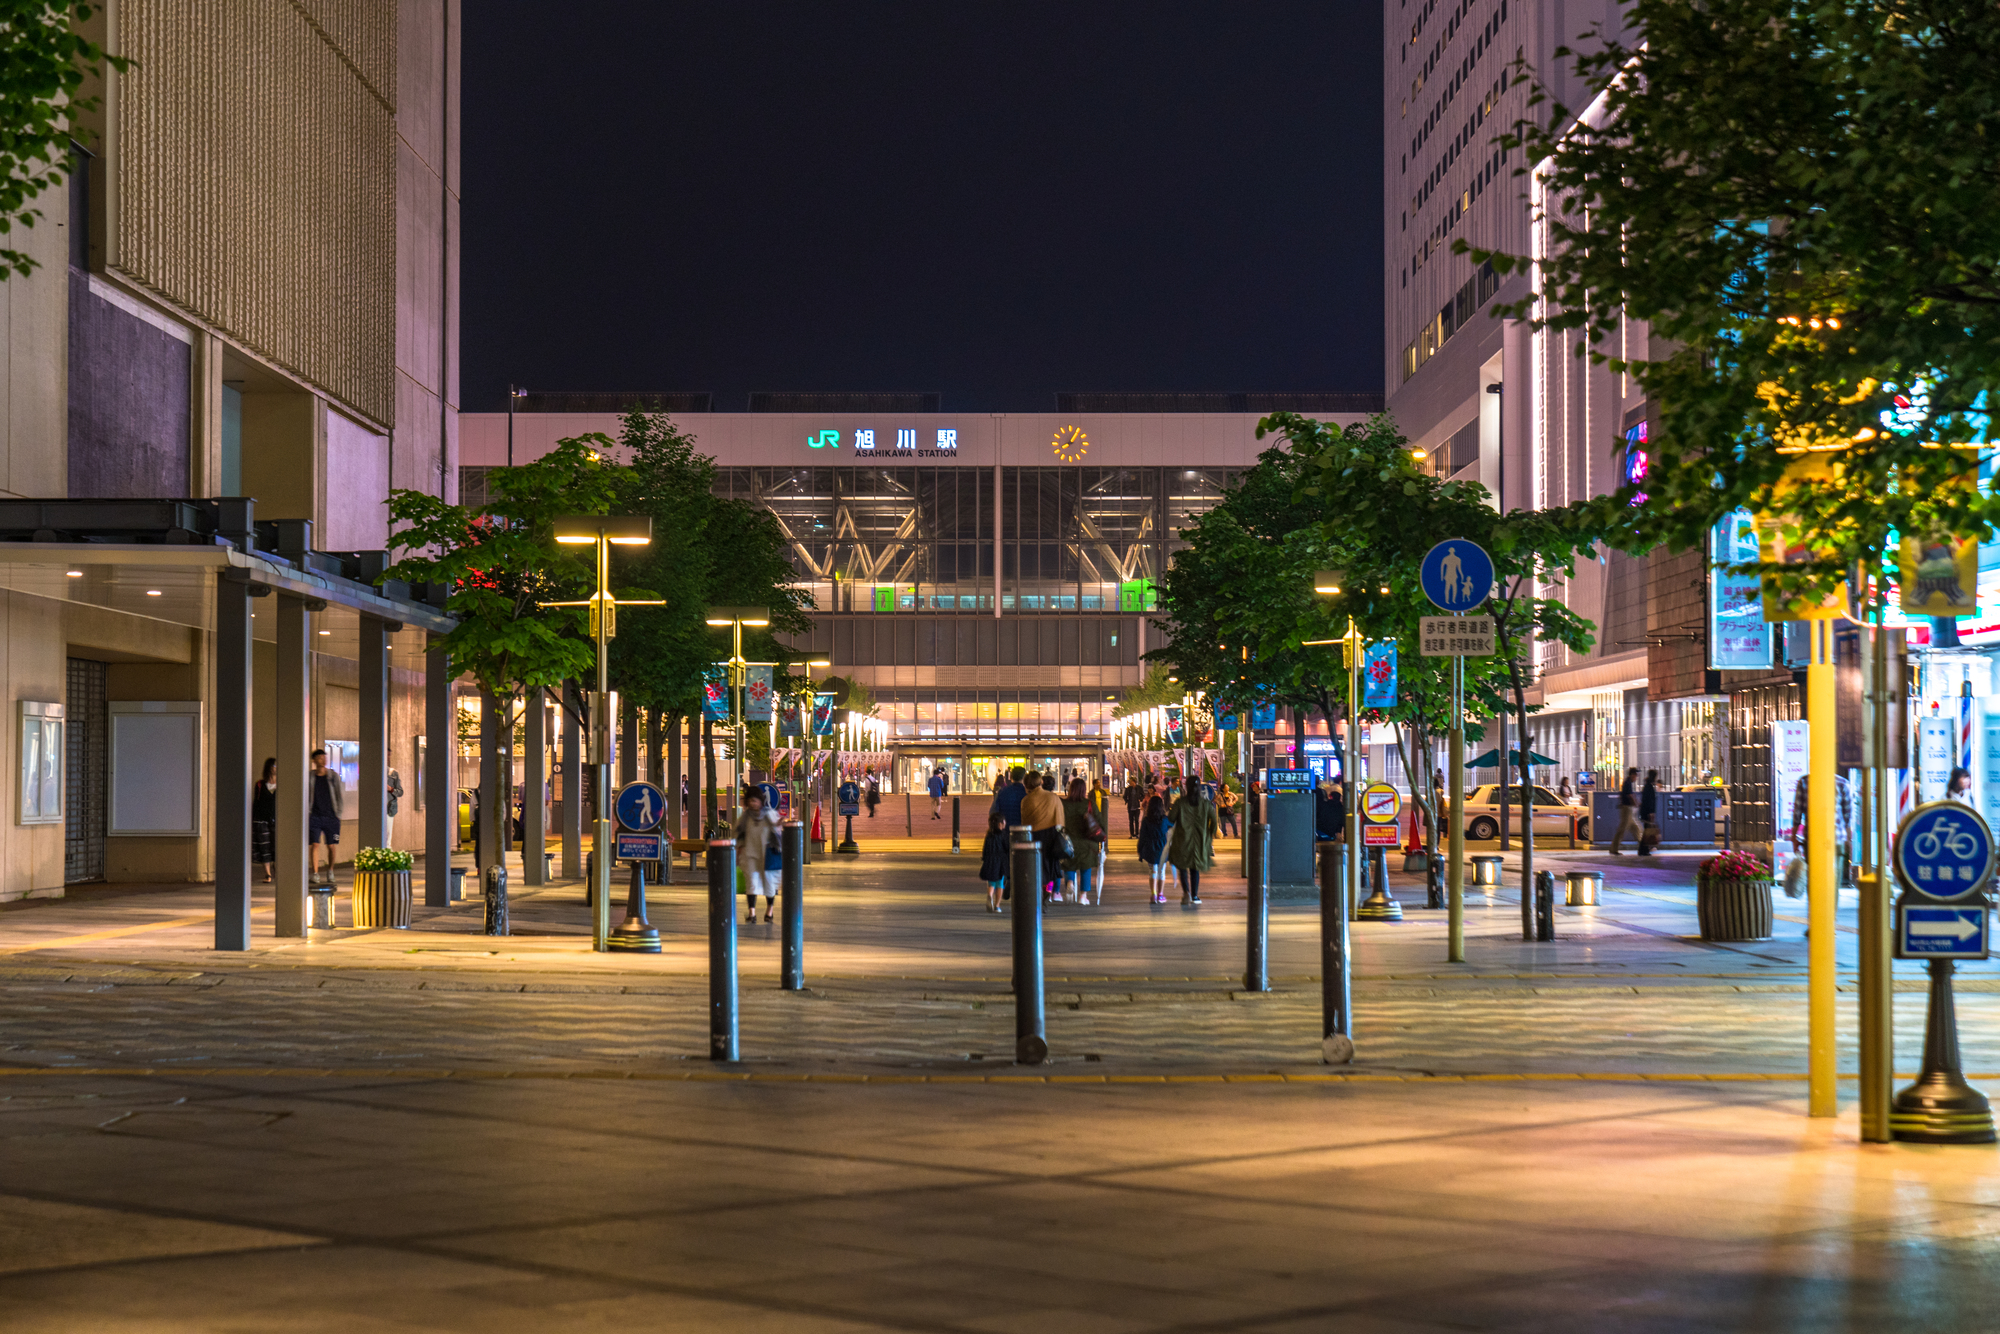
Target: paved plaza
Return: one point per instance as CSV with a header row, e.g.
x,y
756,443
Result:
x,y
435,1130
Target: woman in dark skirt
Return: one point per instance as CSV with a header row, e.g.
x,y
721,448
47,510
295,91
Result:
x,y
264,819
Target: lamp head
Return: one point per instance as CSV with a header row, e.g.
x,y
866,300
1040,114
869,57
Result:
x,y
1328,583
625,530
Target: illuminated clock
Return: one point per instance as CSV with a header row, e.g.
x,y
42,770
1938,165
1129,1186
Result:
x,y
1070,443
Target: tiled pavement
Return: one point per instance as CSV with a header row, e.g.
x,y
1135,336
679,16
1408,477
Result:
x,y
360,1193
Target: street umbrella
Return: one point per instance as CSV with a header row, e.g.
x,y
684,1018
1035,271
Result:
x,y
1492,757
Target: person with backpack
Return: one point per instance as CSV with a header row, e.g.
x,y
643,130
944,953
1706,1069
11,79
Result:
x,y
1649,814
1628,811
1086,838
1191,847
995,859
937,787
1153,847
874,792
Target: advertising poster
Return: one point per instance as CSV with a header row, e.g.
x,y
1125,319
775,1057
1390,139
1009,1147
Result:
x,y
1937,754
1790,747
1739,638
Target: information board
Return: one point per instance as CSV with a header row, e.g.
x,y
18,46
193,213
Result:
x,y
632,847
1455,636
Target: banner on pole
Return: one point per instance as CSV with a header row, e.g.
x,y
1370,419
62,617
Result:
x,y
757,695
715,693
1176,724
788,718
1378,675
823,715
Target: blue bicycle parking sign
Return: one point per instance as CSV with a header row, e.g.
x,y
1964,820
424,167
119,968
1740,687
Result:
x,y
1944,850
1457,575
641,806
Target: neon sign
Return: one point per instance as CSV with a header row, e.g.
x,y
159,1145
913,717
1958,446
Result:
x,y
906,440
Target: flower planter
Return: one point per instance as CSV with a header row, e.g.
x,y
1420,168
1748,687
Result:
x,y
1734,909
382,898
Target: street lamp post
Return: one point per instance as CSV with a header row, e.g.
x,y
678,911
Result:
x,y
736,618
605,531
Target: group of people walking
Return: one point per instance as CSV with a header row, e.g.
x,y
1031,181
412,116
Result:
x,y
1070,832
326,802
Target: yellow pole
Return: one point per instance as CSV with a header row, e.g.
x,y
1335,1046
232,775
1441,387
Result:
x,y
1823,875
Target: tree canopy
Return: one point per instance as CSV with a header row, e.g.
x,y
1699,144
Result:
x,y
43,63
1801,198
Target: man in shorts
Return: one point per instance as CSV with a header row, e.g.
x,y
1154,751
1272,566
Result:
x,y
329,797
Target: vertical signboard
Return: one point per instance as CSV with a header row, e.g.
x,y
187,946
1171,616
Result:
x,y
1739,638
1937,753
1790,747
757,694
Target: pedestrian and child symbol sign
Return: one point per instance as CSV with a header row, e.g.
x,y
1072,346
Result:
x,y
1457,575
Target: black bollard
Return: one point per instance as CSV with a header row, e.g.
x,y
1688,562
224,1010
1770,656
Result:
x,y
792,908
954,826
1545,905
589,876
496,899
722,1027
1257,921
1031,1041
1941,1108
1336,966
848,844
635,935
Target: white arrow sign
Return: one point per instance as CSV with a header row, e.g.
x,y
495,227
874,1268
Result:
x,y
1958,928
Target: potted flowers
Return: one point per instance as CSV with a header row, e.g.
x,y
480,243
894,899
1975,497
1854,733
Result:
x,y
382,887
1733,897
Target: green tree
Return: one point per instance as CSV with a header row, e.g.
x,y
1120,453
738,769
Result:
x,y
44,61
500,562
1802,200
1383,513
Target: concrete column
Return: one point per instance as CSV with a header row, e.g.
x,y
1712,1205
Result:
x,y
232,763
440,778
492,795
628,745
533,783
572,803
293,713
374,783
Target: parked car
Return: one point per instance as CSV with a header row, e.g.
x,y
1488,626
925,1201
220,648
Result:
x,y
1552,813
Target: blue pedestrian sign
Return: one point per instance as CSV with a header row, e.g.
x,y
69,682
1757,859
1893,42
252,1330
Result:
x,y
1457,575
1941,931
640,806
1944,850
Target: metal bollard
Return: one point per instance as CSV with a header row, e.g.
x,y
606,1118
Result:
x,y
1031,1041
1336,966
1257,921
589,875
792,907
496,899
1381,906
954,826
722,1026
1545,905
1941,1108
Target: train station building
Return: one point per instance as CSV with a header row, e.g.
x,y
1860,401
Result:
x,y
986,576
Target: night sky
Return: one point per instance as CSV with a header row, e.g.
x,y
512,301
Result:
x,y
993,200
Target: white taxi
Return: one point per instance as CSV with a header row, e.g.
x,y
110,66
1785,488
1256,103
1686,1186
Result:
x,y
1552,813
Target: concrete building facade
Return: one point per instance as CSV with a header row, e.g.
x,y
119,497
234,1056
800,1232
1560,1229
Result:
x,y
248,289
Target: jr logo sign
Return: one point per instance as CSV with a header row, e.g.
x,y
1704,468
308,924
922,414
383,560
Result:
x,y
824,440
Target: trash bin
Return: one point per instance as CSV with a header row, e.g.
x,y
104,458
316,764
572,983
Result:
x,y
1486,871
322,906
1583,888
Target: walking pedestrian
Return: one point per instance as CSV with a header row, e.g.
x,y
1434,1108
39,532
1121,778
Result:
x,y
1191,847
1225,811
1007,796
1086,837
938,786
329,798
994,858
264,819
759,853
1153,847
1649,814
1135,801
873,790
1628,810
1042,812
